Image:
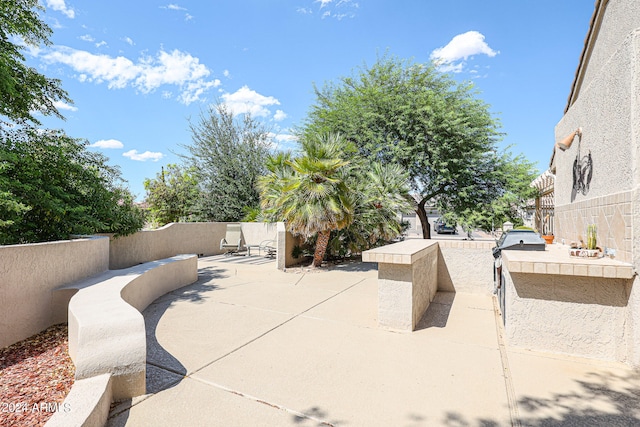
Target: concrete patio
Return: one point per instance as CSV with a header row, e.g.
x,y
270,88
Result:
x,y
249,345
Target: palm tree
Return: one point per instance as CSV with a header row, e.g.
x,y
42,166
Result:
x,y
381,193
385,194
310,193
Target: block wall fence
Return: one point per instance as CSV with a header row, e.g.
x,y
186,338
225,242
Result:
x,y
31,276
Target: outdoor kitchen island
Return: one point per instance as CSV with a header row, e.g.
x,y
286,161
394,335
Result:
x,y
554,302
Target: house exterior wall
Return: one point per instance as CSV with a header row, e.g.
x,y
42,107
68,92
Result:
x,y
607,109
608,112
620,19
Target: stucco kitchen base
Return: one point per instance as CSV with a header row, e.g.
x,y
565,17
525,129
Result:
x,y
407,281
581,314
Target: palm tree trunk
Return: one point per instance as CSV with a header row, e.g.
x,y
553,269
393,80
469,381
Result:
x,y
321,247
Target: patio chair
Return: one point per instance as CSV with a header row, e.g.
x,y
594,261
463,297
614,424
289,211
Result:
x,y
232,241
269,247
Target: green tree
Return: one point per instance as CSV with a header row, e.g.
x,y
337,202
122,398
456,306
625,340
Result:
x,y
22,89
381,193
511,202
330,194
171,195
228,154
51,187
408,114
310,193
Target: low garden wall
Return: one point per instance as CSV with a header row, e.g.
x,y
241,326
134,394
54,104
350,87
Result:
x,y
465,266
200,238
30,296
30,275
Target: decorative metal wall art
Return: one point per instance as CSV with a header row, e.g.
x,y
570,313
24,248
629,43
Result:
x,y
582,173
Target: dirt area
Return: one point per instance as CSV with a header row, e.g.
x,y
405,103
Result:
x,y
35,377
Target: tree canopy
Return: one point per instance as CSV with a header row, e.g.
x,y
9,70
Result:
x,y
171,195
437,130
52,187
23,90
328,190
227,154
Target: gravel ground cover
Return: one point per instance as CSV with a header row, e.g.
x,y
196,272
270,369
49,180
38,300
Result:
x,y
35,377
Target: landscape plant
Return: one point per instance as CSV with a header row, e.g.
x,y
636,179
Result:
x,y
171,195
23,91
413,116
227,155
52,187
333,198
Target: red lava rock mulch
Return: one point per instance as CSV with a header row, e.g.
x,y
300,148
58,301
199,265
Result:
x,y
35,377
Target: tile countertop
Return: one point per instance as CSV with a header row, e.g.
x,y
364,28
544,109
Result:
x,y
405,252
556,260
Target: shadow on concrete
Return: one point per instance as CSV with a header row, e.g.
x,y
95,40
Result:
x,y
437,314
315,416
241,259
355,265
163,371
603,399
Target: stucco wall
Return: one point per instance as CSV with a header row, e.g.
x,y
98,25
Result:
x,y
607,112
620,18
465,266
172,239
180,238
30,275
576,315
286,242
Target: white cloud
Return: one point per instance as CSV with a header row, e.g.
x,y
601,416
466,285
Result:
x,y
226,73
60,6
143,157
87,38
284,137
337,9
279,116
128,40
146,75
108,143
61,105
245,100
102,43
284,141
173,7
452,56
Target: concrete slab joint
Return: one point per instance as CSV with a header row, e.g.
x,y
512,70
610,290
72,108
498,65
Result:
x,y
107,331
407,281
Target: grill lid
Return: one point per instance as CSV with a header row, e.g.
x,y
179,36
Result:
x,y
523,240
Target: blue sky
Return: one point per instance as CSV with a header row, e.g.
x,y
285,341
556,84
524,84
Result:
x,y
138,71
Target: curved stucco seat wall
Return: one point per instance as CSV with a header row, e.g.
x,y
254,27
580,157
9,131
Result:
x,y
107,337
106,329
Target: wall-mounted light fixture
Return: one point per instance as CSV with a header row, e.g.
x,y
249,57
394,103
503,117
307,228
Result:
x,y
568,140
